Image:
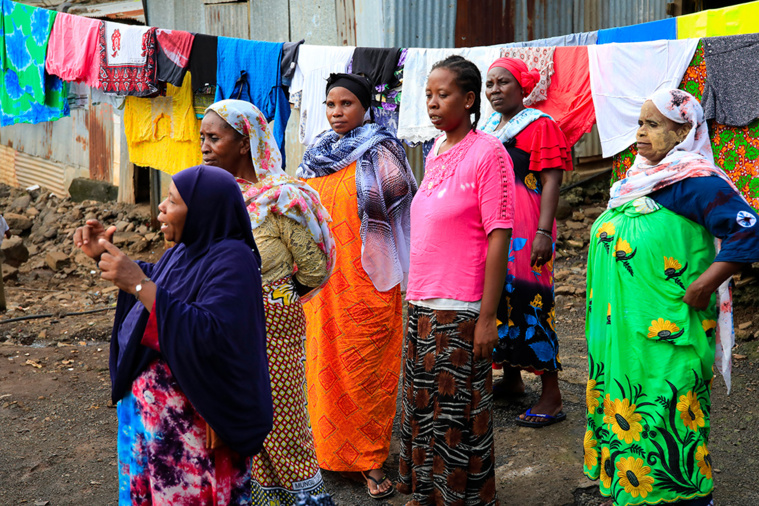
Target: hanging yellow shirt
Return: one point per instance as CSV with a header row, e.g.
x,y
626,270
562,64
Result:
x,y
734,20
163,132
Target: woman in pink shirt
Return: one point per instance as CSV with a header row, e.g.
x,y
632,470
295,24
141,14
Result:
x,y
461,221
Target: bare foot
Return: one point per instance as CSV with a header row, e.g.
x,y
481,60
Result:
x,y
511,385
550,399
374,487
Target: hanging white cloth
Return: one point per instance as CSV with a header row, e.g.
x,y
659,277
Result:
x,y
623,76
413,123
315,64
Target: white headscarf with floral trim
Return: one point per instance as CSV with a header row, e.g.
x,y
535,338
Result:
x,y
275,191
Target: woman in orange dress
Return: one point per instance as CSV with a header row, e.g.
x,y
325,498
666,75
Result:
x,y
355,324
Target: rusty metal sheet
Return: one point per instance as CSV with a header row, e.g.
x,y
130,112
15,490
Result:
x,y
31,170
101,141
8,166
228,20
484,22
345,18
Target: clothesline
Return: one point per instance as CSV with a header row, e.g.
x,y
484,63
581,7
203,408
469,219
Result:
x,y
45,52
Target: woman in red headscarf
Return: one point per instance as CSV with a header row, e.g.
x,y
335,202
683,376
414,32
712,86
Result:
x,y
540,153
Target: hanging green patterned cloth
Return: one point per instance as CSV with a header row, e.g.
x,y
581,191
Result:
x,y
27,93
650,357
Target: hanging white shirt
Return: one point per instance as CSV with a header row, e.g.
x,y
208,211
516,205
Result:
x,y
315,64
623,76
414,124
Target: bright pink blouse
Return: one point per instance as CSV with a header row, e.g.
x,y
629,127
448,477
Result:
x,y
72,50
466,193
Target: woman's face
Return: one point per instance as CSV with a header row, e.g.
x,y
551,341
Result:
x,y
657,134
503,90
344,110
173,213
447,104
221,145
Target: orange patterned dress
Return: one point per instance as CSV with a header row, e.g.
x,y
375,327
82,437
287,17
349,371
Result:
x,y
353,347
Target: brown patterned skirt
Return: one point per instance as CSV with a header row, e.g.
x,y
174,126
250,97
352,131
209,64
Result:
x,y
446,423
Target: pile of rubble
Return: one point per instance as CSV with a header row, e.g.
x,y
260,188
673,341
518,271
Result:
x,y
42,228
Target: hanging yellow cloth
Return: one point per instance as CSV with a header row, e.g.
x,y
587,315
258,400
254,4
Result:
x,y
163,132
734,20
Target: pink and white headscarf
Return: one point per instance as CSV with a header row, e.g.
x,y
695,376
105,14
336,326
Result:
x,y
691,158
275,191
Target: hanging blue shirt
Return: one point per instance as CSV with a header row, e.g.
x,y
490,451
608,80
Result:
x,y
663,29
250,70
713,204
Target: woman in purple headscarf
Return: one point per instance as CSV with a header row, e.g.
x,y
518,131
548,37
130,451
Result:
x,y
188,349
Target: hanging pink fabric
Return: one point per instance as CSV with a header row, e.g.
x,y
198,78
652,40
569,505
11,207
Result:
x,y
72,51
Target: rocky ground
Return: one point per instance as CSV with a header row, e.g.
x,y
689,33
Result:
x,y
58,430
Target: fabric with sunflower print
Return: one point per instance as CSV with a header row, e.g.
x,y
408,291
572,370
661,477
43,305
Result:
x,y
650,365
447,448
527,333
736,149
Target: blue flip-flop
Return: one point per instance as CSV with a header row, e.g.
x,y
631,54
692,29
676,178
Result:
x,y
546,420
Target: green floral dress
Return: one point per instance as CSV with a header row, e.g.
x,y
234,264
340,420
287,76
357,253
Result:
x,y
650,357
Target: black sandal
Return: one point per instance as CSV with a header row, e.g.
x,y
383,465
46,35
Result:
x,y
379,495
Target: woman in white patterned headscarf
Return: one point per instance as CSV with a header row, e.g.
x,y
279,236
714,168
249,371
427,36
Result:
x,y
297,254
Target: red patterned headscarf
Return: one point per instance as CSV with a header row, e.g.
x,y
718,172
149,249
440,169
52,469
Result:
x,y
527,79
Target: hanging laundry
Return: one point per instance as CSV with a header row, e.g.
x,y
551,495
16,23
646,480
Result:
x,y
377,64
569,101
414,125
127,60
98,96
73,50
733,20
78,95
250,70
573,39
203,61
27,93
163,132
173,58
663,29
289,62
539,58
315,64
618,96
731,96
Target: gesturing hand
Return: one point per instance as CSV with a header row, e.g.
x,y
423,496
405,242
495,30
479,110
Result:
x,y
87,238
118,268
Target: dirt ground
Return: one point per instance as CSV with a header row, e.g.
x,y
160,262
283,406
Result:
x,y
58,430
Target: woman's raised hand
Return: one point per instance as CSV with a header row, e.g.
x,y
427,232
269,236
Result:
x,y
87,238
118,268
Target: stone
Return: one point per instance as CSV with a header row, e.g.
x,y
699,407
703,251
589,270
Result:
x,y
50,232
744,326
565,290
575,225
573,243
21,203
82,189
57,260
578,216
130,227
18,221
142,229
563,209
9,273
32,212
14,251
121,226
594,212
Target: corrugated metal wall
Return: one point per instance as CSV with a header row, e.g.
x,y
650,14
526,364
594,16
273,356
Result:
x,y
405,23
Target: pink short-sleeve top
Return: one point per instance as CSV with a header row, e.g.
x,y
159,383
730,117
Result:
x,y
467,192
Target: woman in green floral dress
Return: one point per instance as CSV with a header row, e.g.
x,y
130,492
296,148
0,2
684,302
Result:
x,y
654,321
